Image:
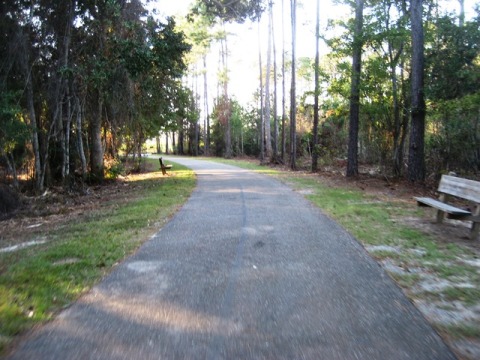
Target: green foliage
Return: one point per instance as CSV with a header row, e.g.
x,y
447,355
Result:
x,y
227,10
453,139
244,128
13,130
452,64
113,169
107,64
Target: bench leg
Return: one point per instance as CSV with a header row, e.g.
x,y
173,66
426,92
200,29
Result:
x,y
440,213
475,231
476,224
440,216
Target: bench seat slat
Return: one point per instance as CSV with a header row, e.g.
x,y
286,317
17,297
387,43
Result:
x,y
442,206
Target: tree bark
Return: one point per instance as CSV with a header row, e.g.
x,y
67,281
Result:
x,y
96,151
268,132
39,183
284,115
205,97
416,156
293,100
461,17
262,115
81,152
166,142
316,109
352,161
275,96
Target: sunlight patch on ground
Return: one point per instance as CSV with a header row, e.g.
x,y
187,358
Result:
x,y
22,246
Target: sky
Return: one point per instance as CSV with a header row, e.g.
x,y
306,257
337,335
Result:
x,y
243,43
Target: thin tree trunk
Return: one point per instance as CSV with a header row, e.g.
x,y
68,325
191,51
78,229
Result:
x,y
275,96
293,103
39,185
81,152
64,91
316,109
180,139
96,152
352,162
284,115
262,118
207,120
228,132
68,125
461,17
268,132
12,169
416,156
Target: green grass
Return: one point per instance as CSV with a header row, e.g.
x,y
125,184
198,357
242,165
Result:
x,y
461,331
371,221
37,282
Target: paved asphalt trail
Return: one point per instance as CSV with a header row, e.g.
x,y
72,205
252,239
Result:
x,y
248,269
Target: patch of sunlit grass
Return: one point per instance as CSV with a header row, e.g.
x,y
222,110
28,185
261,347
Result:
x,y
37,282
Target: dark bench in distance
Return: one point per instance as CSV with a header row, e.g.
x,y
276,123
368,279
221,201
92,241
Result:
x,y
164,167
463,189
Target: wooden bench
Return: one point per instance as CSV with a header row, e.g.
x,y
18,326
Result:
x,y
463,189
164,167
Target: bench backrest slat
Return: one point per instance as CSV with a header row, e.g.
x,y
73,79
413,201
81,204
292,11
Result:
x,y
462,188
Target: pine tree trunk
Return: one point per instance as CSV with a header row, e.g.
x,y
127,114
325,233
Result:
x,y
293,103
81,152
262,115
352,161
284,115
268,132
206,126
39,184
461,17
416,156
275,97
96,151
316,109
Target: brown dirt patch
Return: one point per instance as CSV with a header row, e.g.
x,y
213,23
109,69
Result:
x,y
56,207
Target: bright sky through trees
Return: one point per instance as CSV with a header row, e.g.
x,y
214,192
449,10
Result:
x,y
243,43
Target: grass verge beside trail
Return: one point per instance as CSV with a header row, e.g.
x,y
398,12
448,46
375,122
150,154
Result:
x,y
36,282
440,277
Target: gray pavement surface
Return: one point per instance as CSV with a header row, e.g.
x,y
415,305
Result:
x,y
247,269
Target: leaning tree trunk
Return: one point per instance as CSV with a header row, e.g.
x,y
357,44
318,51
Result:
x,y
352,161
416,155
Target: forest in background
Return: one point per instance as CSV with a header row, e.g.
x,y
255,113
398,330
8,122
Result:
x,y
85,83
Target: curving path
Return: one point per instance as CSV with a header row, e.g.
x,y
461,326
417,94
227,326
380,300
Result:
x,y
247,269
